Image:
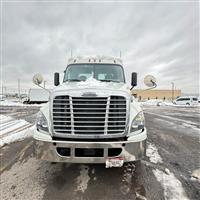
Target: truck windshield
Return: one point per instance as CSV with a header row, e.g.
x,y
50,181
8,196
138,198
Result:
x,y
101,72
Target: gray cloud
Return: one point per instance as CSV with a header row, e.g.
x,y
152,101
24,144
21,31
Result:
x,y
159,38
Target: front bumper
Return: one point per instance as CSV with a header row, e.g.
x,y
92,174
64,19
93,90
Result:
x,y
47,149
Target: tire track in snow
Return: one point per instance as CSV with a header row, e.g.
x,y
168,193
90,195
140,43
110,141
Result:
x,y
172,118
13,130
6,125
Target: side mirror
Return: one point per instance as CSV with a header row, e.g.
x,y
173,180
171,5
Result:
x,y
134,79
150,81
56,79
37,79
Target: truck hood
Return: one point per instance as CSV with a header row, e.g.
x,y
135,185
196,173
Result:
x,y
93,84
101,88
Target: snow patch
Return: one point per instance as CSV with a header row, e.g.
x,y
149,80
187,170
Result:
x,y
173,189
83,178
91,82
167,171
152,153
157,102
12,130
18,136
141,197
173,118
152,102
17,103
196,174
4,119
10,103
191,126
12,126
160,102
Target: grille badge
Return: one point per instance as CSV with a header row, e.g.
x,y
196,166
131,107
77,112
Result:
x,y
89,94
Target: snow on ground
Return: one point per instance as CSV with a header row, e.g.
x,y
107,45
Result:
x,y
173,189
152,153
196,174
160,102
174,120
10,103
12,130
151,102
17,103
83,178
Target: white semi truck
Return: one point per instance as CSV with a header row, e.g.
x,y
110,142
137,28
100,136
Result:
x,y
91,116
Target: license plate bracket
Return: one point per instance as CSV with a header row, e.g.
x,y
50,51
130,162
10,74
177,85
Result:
x,y
114,162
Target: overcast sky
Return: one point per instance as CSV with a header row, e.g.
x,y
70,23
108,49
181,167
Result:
x,y
159,38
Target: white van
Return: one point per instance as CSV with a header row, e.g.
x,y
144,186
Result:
x,y
187,100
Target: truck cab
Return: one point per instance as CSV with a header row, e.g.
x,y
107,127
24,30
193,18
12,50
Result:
x,y
91,117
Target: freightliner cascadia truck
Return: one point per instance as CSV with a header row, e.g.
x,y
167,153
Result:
x,y
91,117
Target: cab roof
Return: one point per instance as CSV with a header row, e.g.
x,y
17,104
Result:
x,y
95,59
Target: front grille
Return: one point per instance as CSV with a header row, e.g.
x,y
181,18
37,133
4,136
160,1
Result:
x,y
89,115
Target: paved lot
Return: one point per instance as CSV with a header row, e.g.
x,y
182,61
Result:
x,y
173,156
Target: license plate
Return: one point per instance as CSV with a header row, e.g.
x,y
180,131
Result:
x,y
114,162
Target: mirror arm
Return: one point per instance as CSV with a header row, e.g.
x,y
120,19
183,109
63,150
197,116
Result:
x,y
154,86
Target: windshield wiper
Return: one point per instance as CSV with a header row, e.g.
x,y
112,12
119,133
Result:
x,y
73,80
110,80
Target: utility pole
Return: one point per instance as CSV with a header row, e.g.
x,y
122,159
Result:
x,y
172,91
5,89
2,89
71,53
120,54
19,95
44,83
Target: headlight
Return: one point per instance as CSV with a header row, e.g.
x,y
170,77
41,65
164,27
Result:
x,y
138,122
41,122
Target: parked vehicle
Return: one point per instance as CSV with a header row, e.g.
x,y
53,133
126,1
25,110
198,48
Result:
x,y
187,100
36,96
92,116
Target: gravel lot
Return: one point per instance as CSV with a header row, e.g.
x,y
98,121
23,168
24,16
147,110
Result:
x,y
167,172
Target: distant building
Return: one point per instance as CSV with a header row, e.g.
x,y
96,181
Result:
x,y
156,94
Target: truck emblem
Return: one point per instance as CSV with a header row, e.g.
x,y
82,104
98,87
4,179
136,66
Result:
x,y
89,94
